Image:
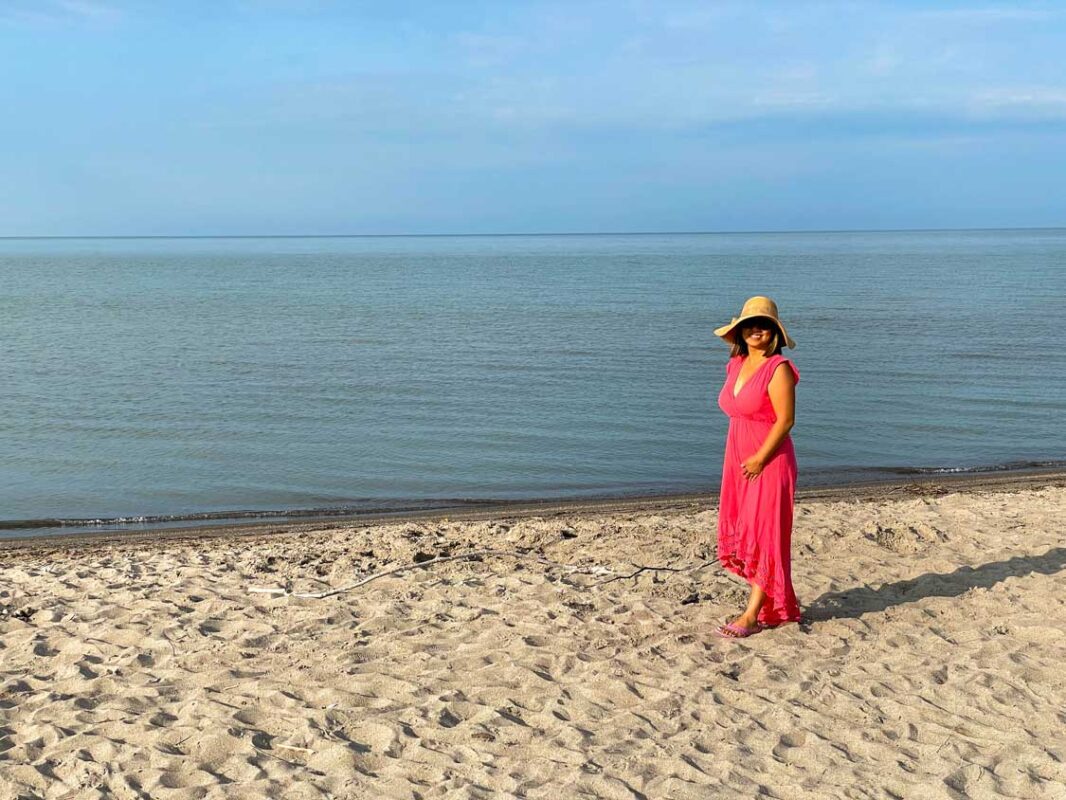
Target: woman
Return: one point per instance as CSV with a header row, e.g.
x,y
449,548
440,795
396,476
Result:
x,y
759,472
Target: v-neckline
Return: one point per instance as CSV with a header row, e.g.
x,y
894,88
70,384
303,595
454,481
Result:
x,y
736,391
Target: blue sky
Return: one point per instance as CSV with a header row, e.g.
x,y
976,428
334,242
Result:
x,y
291,117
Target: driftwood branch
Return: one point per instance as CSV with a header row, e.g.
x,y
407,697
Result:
x,y
638,571
592,570
702,565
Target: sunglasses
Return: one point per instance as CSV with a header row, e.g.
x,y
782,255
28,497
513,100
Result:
x,y
761,323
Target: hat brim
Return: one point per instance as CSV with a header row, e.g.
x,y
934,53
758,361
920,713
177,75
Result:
x,y
728,332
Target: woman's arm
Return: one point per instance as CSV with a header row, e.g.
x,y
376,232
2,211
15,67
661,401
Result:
x,y
782,391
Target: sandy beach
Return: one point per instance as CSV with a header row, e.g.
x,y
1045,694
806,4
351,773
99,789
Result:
x,y
928,665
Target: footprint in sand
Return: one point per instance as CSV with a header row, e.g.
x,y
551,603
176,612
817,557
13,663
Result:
x,y
44,650
783,750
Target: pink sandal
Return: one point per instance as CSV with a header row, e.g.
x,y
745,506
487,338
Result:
x,y
733,631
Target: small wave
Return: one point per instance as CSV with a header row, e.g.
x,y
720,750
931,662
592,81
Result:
x,y
1010,466
367,507
826,477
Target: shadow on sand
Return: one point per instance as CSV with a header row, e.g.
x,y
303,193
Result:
x,y
853,603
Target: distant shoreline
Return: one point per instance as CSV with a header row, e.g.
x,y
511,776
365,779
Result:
x,y
924,485
29,237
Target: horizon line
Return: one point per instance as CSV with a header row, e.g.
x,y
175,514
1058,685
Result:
x,y
516,234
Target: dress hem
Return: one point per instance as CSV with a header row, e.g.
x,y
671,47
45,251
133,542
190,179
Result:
x,y
775,609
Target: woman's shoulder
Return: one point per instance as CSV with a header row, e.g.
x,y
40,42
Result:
x,y
780,359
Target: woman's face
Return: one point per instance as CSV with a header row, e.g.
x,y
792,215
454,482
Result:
x,y
757,332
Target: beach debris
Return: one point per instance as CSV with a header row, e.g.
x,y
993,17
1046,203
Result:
x,y
475,555
293,747
11,611
422,557
646,568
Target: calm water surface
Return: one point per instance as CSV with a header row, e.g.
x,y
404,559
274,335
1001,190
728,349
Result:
x,y
182,376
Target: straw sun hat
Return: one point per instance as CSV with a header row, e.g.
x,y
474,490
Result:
x,y
757,306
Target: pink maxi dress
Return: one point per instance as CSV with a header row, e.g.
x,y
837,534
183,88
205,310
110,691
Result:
x,y
755,517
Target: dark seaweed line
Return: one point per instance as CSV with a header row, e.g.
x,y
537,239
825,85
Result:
x,y
397,506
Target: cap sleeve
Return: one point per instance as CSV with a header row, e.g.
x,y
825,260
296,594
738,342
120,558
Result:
x,y
783,360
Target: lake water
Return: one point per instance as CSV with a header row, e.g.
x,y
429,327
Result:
x,y
179,377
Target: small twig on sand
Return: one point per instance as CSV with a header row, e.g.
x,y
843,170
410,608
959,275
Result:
x,y
955,728
592,570
293,764
702,565
294,747
638,571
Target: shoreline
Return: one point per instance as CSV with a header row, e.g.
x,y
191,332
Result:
x,y
917,485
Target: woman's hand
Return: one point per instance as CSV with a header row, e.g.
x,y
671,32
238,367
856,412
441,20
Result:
x,y
752,467
782,391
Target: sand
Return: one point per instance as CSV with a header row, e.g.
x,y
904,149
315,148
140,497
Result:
x,y
929,664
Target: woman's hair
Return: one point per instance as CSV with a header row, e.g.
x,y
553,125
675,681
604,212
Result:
x,y
740,347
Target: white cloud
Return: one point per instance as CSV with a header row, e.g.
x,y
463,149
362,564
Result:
x,y
88,9
793,100
59,12
483,50
1029,101
988,15
883,62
